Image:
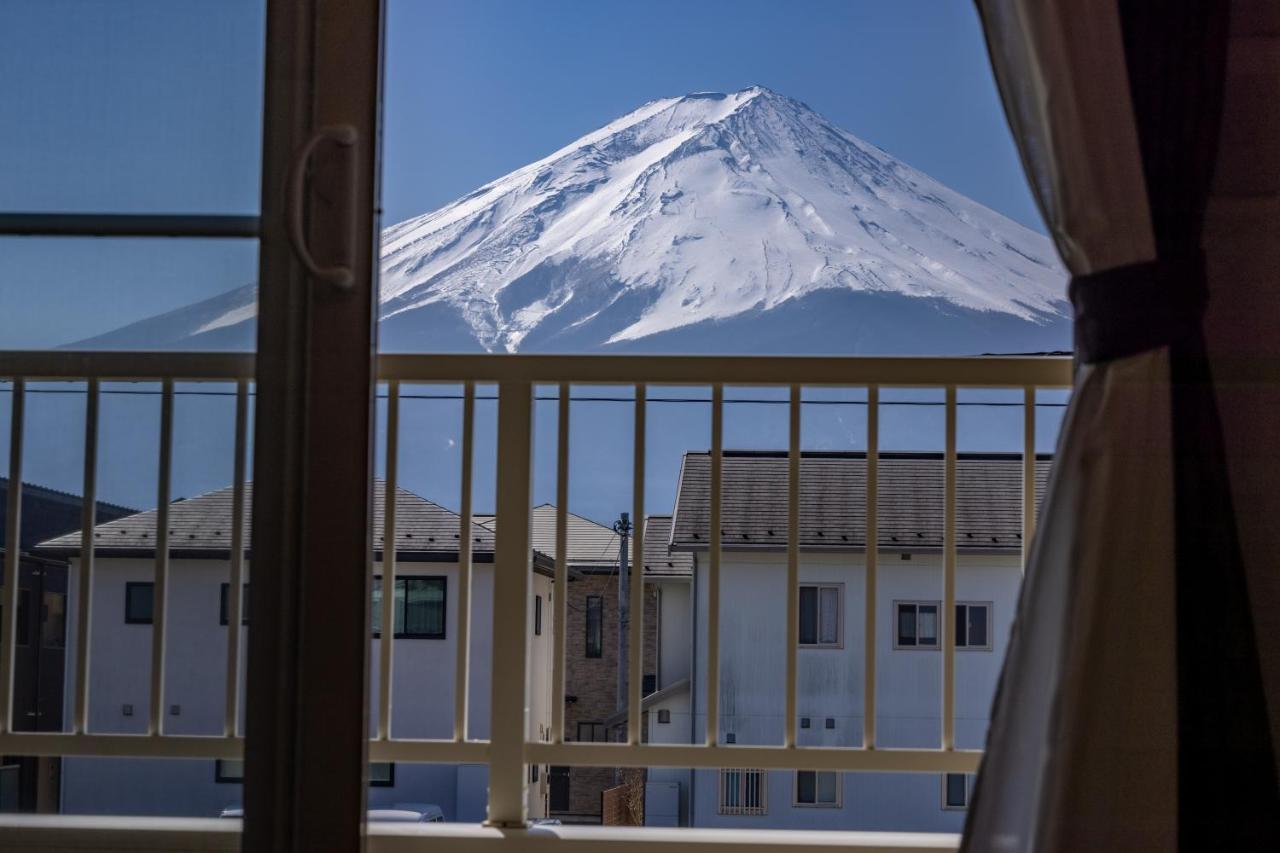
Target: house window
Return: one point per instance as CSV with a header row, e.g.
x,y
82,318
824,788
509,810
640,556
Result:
x,y
418,608
817,788
224,607
917,625
664,716
592,732
820,614
742,792
382,774
973,625
138,601
537,616
533,773
956,788
228,770
595,626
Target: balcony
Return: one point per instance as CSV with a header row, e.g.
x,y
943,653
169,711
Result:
x,y
510,748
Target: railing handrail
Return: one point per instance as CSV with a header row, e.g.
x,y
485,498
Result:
x,y
990,371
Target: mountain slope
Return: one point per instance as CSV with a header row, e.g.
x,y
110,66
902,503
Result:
x,y
707,222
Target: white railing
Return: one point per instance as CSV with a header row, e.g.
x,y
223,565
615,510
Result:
x,y
510,750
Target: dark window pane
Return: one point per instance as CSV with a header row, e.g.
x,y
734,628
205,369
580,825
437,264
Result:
x,y
806,786
962,622
53,631
382,774
808,615
906,624
537,615
956,791
978,626
423,602
595,626
138,603
376,616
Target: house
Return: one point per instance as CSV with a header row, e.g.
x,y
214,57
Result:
x,y
831,628
424,657
591,652
27,783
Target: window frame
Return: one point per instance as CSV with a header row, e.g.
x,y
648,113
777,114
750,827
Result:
x,y
760,809
597,651
817,804
968,792
818,586
537,616
593,725
130,619
405,635
224,606
222,778
390,781
969,647
898,604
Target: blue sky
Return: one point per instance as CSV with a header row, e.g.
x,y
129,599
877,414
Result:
x,y
152,105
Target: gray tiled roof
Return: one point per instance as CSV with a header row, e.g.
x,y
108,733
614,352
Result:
x,y
833,500
202,525
659,559
590,545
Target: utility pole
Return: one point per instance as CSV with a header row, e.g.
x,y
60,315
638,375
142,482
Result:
x,y
623,528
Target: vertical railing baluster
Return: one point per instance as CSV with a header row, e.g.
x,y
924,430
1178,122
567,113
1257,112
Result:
x,y
949,577
13,531
635,640
160,588
713,567
872,565
235,589
462,663
387,641
509,698
1028,472
792,597
84,582
562,566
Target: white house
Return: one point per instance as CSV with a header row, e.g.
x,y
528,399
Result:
x,y
424,657
830,671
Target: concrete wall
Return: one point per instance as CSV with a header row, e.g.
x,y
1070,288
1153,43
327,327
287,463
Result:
x,y
422,692
830,682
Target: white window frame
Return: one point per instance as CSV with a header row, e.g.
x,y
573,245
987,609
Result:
x,y
942,624
990,608
838,586
727,777
816,804
968,792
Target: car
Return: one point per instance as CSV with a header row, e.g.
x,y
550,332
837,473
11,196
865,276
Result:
x,y
398,813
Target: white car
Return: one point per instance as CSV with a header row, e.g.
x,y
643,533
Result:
x,y
399,813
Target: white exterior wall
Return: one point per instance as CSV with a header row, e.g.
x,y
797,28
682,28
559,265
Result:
x,y
675,630
830,682
195,679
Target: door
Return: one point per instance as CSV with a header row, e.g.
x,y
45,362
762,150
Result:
x,y
558,781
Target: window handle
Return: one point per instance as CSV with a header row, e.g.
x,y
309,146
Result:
x,y
339,275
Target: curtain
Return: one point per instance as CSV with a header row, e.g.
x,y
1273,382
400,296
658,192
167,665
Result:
x,y
1130,714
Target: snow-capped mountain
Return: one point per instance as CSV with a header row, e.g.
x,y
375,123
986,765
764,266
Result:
x,y
710,222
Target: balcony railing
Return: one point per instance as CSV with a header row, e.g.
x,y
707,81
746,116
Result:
x,y
509,750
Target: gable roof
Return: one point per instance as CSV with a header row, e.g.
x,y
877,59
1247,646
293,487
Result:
x,y
590,545
659,559
49,512
833,501
201,527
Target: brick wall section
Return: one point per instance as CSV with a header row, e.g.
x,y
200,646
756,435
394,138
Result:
x,y
594,681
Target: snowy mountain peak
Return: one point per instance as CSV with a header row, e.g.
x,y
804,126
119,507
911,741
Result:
x,y
703,213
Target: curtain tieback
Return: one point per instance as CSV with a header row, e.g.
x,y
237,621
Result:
x,y
1126,310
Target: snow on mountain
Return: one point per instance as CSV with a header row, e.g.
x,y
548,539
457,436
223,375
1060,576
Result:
x,y
709,217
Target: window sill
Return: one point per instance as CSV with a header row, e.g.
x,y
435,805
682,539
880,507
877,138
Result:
x,y
110,834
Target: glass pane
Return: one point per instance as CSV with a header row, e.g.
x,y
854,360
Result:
x,y
381,772
928,632
978,626
808,615
956,790
144,106
805,787
424,607
53,630
961,623
731,789
138,602
830,627
906,624
376,616
826,787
